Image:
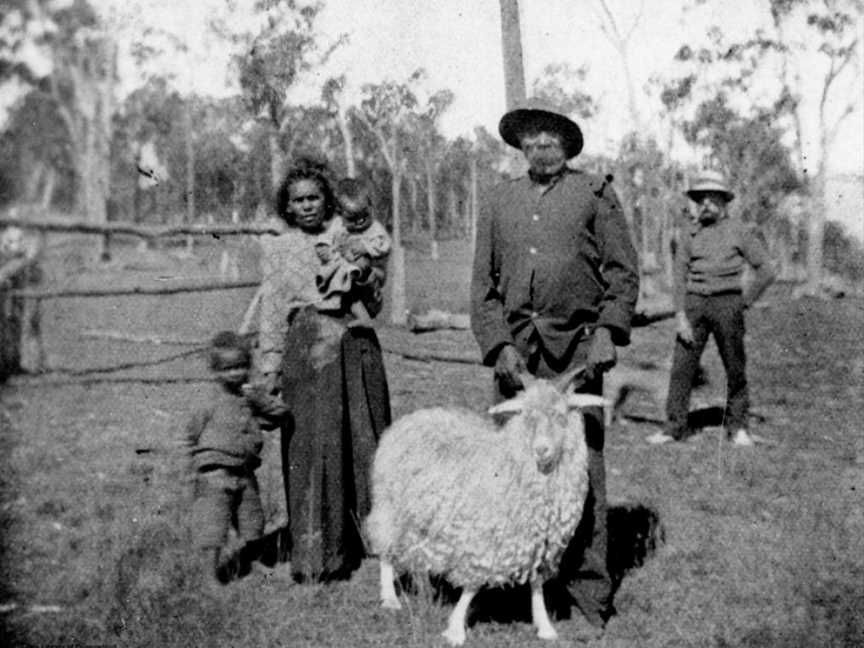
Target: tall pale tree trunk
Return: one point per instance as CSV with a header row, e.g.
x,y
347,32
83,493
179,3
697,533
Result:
x,y
474,210
347,141
276,159
452,211
514,73
431,208
816,232
511,41
190,171
412,195
621,42
47,193
398,298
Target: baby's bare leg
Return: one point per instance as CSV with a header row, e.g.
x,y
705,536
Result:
x,y
361,315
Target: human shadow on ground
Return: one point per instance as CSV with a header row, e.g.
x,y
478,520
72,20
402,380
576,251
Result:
x,y
698,419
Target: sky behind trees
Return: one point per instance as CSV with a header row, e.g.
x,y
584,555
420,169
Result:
x,y
457,42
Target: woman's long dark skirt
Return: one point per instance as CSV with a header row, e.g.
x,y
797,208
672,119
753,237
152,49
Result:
x,y
336,390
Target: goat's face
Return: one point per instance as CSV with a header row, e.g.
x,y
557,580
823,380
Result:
x,y
544,412
543,415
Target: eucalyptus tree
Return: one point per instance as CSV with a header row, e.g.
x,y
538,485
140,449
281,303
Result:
x,y
274,56
72,70
333,95
429,146
800,68
386,110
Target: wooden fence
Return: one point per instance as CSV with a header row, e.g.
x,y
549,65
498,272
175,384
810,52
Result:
x,y
21,346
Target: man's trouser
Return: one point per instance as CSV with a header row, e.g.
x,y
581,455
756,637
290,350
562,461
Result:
x,y
723,316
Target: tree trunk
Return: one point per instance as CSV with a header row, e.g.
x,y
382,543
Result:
x,y
190,164
415,216
275,160
816,233
472,225
190,173
514,73
452,211
511,40
398,301
34,179
47,193
347,141
431,209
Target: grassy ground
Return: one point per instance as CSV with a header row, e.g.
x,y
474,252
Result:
x,y
763,546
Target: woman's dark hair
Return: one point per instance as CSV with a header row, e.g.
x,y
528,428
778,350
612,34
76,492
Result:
x,y
305,169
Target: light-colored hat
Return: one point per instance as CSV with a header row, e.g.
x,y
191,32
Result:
x,y
709,180
535,117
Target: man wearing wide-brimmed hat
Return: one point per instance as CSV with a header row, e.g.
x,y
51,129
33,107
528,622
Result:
x,y
710,299
554,286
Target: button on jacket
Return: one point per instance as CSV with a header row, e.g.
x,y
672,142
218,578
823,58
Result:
x,y
555,260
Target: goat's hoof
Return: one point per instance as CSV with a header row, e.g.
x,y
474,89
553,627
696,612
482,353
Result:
x,y
391,604
454,637
547,633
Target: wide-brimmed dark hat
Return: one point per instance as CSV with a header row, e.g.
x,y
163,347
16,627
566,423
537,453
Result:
x,y
709,180
536,117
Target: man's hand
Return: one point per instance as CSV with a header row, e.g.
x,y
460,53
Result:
x,y
601,354
683,328
509,366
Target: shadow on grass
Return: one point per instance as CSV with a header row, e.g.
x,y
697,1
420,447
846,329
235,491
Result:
x,y
697,419
635,533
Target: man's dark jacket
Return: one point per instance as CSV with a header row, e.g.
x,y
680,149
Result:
x,y
558,261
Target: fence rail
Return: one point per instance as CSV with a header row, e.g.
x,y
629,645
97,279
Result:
x,y
132,229
171,289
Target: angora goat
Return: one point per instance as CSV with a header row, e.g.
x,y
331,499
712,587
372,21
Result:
x,y
457,496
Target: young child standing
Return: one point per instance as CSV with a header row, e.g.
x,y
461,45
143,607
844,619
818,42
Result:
x,y
224,441
353,257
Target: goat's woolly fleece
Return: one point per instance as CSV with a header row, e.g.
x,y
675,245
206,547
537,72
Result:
x,y
456,496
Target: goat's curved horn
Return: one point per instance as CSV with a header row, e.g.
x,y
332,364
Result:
x,y
587,400
527,379
511,405
565,381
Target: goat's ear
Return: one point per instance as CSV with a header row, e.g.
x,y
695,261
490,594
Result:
x,y
565,381
587,400
510,406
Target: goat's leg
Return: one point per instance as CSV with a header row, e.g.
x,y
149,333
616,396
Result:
x,y
388,589
539,615
455,632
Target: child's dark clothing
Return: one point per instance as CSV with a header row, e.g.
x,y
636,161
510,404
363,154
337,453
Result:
x,y
225,445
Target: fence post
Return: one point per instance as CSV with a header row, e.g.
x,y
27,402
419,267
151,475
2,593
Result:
x,y
105,253
32,351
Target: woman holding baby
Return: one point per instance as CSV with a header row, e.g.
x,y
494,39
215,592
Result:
x,y
329,371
